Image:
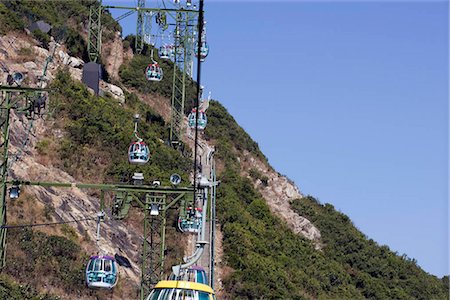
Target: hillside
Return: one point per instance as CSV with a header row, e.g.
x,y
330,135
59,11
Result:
x,y
274,242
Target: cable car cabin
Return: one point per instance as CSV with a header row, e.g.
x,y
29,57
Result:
x,y
202,119
192,222
138,153
181,290
193,274
165,51
154,72
101,272
189,225
204,51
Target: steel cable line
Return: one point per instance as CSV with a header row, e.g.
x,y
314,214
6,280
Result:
x,y
47,224
199,45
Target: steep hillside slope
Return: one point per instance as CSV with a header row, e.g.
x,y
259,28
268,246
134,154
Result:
x,y
276,243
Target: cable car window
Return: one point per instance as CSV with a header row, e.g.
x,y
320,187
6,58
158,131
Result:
x,y
173,295
154,295
166,294
98,265
186,295
107,267
91,265
203,296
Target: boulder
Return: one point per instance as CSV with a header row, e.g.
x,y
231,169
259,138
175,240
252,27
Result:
x,y
64,57
114,90
41,52
29,65
75,73
75,62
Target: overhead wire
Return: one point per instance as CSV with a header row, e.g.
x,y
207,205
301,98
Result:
x,y
199,45
48,224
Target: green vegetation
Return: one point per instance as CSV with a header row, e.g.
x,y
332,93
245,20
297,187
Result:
x,y
375,270
133,74
222,127
99,131
270,261
42,37
67,18
13,291
49,210
255,174
42,146
32,254
9,21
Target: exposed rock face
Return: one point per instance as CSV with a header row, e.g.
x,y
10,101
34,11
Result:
x,y
74,203
278,193
15,49
114,90
122,237
113,53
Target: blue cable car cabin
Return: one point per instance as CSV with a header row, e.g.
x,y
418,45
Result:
x,y
181,290
154,72
202,119
193,274
204,51
101,272
138,153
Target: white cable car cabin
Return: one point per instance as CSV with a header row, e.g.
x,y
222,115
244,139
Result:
x,y
181,290
204,51
165,51
101,272
154,72
202,119
138,153
192,222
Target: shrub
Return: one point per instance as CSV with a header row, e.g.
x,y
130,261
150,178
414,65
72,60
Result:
x,y
42,37
9,20
42,146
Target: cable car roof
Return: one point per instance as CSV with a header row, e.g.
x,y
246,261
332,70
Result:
x,y
186,285
102,257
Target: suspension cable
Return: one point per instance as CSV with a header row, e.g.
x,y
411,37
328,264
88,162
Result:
x,y
199,46
48,224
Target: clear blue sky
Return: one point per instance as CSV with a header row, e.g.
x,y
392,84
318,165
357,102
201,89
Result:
x,y
348,99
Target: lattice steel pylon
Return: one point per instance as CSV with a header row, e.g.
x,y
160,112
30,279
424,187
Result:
x,y
140,30
154,244
95,32
184,43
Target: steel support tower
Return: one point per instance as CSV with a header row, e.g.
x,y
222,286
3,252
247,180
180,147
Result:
x,y
95,32
140,24
184,35
184,46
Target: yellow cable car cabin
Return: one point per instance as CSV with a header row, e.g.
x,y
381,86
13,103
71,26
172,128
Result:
x,y
181,290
